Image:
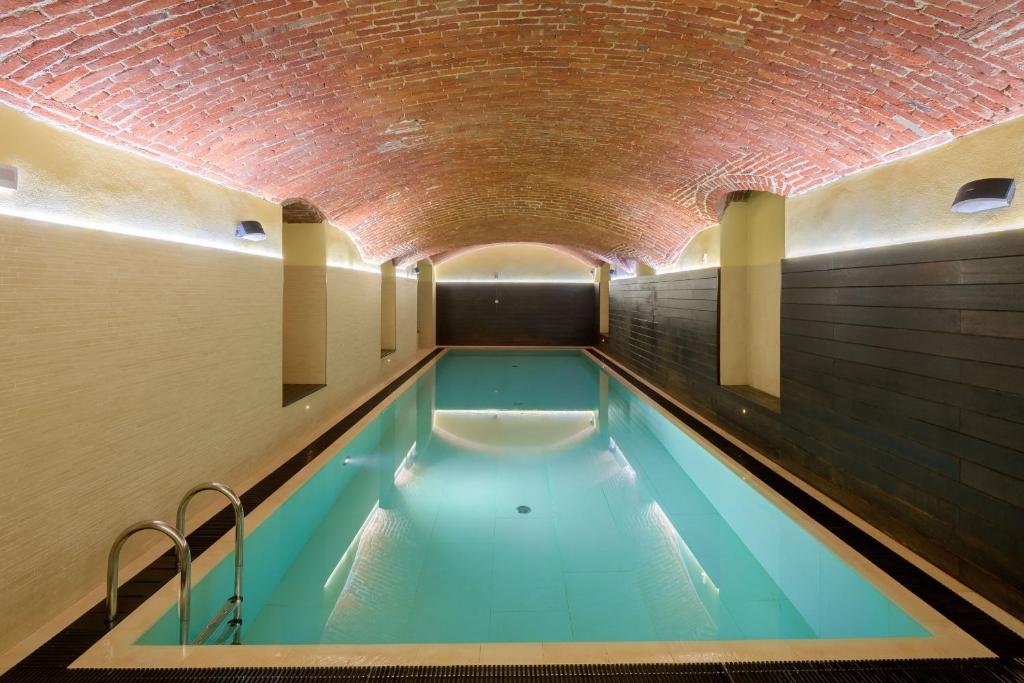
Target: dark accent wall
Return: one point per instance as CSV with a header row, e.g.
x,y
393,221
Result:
x,y
902,389
512,313
665,328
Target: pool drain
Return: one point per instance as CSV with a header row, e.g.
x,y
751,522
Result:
x,y
523,509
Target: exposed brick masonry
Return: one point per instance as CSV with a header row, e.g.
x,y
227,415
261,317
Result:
x,y
615,128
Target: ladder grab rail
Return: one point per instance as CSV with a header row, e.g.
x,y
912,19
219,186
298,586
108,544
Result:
x,y
239,511
184,571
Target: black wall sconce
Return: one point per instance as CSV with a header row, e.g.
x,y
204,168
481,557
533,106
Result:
x,y
250,230
8,177
984,195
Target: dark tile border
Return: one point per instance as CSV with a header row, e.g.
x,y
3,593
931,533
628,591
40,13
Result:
x,y
892,671
971,619
48,664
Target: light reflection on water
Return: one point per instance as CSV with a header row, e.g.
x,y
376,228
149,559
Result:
x,y
634,532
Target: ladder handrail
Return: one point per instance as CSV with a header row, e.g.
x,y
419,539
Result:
x,y
239,511
184,571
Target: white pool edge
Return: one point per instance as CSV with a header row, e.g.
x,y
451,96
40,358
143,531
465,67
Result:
x,y
118,649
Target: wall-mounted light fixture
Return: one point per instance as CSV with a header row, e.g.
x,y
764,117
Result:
x,y
984,195
8,177
250,230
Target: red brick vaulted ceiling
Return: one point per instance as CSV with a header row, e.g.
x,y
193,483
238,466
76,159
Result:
x,y
614,128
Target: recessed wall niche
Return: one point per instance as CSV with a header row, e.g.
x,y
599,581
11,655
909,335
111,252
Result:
x,y
753,237
388,309
304,315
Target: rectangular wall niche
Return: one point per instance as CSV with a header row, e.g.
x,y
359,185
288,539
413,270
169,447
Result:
x,y
753,244
388,309
304,319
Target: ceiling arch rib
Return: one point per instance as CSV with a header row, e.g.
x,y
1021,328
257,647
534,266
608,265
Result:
x,y
368,109
584,258
301,211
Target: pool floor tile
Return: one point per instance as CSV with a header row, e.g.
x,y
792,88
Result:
x,y
530,627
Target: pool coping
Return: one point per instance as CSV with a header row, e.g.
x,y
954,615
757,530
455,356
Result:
x,y
493,653
118,649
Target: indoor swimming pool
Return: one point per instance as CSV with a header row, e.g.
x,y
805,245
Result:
x,y
523,497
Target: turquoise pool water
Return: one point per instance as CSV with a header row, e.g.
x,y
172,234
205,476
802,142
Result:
x,y
529,496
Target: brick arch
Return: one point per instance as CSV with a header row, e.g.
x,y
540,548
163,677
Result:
x,y
586,259
298,210
633,122
600,220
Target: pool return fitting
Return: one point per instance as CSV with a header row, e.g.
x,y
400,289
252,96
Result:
x,y
220,628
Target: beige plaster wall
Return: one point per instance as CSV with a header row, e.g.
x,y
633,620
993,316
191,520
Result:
x,y
752,246
702,251
908,200
603,277
530,262
304,304
765,250
388,307
66,179
133,367
732,304
304,248
304,244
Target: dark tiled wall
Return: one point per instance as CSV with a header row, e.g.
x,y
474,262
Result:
x,y
902,389
665,328
550,314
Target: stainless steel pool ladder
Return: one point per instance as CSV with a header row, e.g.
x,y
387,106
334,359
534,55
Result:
x,y
220,628
184,557
184,571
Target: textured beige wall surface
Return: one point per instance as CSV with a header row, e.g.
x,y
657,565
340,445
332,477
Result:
x,y
752,246
530,262
304,324
908,200
132,368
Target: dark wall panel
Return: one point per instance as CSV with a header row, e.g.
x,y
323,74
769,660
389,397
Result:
x,y
902,390
556,314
